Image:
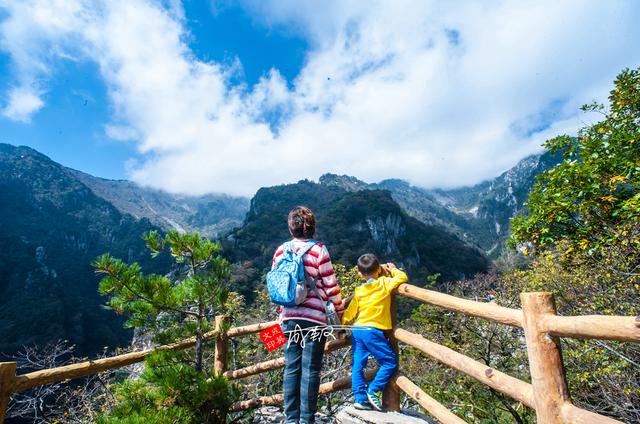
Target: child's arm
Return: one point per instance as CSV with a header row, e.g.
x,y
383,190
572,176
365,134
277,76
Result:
x,y
351,311
397,277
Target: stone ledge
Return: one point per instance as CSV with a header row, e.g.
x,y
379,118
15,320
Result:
x,y
351,415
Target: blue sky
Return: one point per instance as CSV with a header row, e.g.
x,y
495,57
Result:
x,y
217,96
70,129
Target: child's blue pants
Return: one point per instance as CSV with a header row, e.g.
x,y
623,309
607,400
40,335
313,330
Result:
x,y
367,341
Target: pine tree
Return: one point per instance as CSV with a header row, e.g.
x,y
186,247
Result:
x,y
171,308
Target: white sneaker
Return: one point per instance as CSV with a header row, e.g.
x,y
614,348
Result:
x,y
363,406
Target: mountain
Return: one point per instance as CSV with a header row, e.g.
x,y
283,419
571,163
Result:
x,y
351,223
479,214
490,205
415,201
53,227
210,215
56,221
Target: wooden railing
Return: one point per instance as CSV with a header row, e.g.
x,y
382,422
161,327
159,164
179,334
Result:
x,y
547,393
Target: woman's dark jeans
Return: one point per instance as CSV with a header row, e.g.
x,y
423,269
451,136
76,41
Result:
x,y
302,373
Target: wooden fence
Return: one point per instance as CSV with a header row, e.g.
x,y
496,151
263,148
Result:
x,y
547,393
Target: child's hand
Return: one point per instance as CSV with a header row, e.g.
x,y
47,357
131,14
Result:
x,y
386,269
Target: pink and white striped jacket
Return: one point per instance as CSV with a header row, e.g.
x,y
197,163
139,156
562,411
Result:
x,y
316,262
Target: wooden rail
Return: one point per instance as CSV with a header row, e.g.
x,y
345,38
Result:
x,y
489,311
547,393
436,409
497,380
325,388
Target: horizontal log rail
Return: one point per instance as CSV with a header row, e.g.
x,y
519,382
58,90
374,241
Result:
x,y
624,329
249,329
96,366
258,368
489,311
435,408
504,383
547,394
604,327
570,413
277,363
82,369
325,388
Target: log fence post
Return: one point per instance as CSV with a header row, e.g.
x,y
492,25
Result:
x,y
7,377
221,347
391,395
550,389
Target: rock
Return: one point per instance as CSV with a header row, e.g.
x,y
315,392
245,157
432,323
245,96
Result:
x,y
345,415
350,415
274,414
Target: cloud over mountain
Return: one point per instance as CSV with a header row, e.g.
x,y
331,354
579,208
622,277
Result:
x,y
440,94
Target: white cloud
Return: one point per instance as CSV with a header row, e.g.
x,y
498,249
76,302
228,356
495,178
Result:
x,y
441,94
21,105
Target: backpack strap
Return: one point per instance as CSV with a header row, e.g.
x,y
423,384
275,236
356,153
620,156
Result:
x,y
312,283
304,249
310,280
289,247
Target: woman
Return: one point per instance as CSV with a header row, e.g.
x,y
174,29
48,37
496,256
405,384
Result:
x,y
304,361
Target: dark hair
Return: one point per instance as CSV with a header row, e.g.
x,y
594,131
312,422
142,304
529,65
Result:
x,y
368,264
302,222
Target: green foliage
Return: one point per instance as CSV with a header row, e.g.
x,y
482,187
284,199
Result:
x,y
175,386
169,390
348,278
593,196
170,309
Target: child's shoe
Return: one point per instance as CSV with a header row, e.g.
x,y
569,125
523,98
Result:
x,y
375,398
363,406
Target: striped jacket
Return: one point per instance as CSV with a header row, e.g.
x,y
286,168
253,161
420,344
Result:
x,y
316,262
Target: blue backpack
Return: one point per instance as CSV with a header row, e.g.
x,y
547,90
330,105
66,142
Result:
x,y
286,282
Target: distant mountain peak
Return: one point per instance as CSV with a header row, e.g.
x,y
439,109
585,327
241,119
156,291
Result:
x,y
345,182
393,183
210,215
10,149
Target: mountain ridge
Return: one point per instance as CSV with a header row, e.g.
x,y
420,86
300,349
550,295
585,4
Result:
x,y
53,228
56,220
211,215
478,214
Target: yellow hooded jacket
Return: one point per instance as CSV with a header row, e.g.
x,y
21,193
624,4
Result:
x,y
371,301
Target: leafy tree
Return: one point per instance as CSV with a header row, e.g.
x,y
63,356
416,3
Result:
x,y
175,386
592,198
583,219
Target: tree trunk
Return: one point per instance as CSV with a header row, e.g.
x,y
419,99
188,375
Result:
x,y
199,338
199,350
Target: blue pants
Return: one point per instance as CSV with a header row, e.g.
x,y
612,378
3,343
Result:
x,y
301,374
368,341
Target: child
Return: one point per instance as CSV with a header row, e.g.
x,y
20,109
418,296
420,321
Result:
x,y
371,304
